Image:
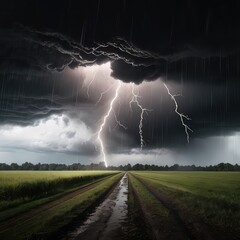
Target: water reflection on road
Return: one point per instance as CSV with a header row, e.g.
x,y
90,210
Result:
x,y
107,221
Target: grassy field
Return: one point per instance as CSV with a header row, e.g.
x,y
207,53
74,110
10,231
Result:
x,y
51,220
161,205
18,187
15,178
28,184
213,197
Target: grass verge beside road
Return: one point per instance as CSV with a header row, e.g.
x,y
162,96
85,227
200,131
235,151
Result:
x,y
212,196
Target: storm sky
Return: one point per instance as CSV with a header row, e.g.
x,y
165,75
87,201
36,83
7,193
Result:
x,y
58,57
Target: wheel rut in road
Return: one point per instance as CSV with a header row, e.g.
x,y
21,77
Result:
x,y
108,220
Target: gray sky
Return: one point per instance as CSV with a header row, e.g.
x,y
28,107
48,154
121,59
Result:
x,y
64,65
70,135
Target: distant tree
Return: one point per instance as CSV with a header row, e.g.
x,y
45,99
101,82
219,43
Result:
x,y
27,166
128,167
166,168
14,166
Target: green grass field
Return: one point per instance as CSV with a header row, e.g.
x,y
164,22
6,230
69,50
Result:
x,y
212,196
161,205
14,178
26,189
49,222
30,184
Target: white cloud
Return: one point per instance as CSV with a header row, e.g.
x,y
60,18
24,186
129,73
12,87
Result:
x,y
56,133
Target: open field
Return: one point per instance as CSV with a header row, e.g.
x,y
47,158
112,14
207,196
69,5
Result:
x,y
49,217
17,187
136,205
15,178
16,181
197,205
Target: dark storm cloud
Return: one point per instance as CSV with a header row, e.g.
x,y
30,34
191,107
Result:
x,y
29,94
143,41
193,43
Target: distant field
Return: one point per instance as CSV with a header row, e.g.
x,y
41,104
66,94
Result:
x,y
14,178
212,197
18,187
219,184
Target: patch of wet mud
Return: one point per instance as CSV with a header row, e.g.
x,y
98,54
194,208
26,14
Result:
x,y
107,220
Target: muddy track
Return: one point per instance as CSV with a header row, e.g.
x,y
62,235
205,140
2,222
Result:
x,y
107,221
26,216
195,227
79,220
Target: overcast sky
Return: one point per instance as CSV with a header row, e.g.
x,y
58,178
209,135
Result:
x,y
62,62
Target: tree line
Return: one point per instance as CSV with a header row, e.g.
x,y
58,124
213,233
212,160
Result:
x,y
128,167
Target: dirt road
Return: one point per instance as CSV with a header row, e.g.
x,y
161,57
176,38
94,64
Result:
x,y
108,219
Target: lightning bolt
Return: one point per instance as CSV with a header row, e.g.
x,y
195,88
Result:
x,y
143,110
181,115
89,84
105,118
103,93
118,122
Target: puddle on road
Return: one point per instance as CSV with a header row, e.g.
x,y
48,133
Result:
x,y
106,222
